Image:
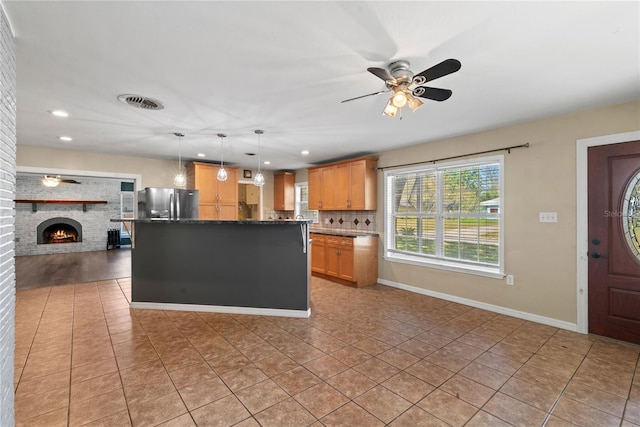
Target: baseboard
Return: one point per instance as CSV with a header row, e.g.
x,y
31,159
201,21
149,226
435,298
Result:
x,y
222,309
489,307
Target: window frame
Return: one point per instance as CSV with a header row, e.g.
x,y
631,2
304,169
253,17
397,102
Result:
x,y
391,254
297,202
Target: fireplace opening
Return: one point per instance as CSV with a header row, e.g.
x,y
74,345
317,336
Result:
x,y
60,233
59,230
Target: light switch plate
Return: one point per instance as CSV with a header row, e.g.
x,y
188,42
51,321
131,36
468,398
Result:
x,y
510,279
548,216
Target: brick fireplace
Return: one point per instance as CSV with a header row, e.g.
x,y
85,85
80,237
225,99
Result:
x,y
51,228
59,230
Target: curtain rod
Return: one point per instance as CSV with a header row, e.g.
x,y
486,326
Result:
x,y
507,149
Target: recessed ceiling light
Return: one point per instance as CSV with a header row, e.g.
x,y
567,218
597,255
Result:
x,y
267,162
200,154
249,154
304,152
59,113
65,138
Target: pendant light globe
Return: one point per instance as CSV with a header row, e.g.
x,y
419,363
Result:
x,y
258,180
222,173
180,181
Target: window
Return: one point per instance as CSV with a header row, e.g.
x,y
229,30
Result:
x,y
447,216
302,203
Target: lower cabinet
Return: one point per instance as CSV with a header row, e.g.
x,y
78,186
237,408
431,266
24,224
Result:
x,y
349,260
318,251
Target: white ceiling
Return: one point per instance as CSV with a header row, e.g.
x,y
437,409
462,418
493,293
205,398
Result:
x,y
284,67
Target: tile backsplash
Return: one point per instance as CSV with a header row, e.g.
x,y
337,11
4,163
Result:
x,y
348,220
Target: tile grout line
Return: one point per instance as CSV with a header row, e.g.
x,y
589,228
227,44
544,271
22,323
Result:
x,y
555,403
112,349
626,403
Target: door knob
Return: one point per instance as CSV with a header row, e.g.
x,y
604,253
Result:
x,y
597,255
595,242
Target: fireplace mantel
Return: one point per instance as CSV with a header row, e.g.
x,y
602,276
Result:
x,y
84,203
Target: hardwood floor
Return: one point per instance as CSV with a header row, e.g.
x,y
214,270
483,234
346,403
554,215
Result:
x,y
61,269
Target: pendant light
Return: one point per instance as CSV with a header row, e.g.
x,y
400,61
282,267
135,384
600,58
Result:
x,y
258,181
222,173
180,181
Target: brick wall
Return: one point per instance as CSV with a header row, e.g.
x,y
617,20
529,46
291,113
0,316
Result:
x,y
95,221
7,191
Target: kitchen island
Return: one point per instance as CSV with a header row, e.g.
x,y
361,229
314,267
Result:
x,y
244,267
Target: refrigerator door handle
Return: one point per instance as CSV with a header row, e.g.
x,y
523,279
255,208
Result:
x,y
178,213
170,204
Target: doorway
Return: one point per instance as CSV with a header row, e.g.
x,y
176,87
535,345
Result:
x,y
614,240
608,266
249,201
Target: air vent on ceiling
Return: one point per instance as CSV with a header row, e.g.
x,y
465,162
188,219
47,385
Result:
x,y
140,101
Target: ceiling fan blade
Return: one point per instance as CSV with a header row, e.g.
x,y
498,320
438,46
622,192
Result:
x,y
432,93
447,66
381,73
69,181
364,96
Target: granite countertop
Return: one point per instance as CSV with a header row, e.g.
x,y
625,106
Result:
x,y
215,221
343,232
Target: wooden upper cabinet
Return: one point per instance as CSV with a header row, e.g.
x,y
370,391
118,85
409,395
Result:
x,y
284,191
350,185
329,188
202,177
217,199
228,190
315,188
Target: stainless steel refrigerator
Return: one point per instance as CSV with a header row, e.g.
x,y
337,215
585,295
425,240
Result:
x,y
167,203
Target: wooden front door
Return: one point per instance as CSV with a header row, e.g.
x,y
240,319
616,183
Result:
x,y
614,241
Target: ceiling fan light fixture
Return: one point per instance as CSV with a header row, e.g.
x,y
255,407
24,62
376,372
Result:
x,y
399,98
413,102
391,110
50,181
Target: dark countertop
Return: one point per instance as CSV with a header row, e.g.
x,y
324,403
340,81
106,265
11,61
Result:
x,y
343,232
214,221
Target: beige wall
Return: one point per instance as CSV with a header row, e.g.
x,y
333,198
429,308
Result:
x,y
155,172
542,178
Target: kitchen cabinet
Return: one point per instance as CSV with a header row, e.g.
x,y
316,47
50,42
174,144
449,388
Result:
x,y
318,251
321,183
284,191
349,185
351,261
314,182
217,199
252,194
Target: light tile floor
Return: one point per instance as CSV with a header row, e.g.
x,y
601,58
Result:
x,y
367,357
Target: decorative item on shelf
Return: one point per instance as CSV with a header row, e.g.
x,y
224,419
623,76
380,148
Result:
x,y
247,173
222,173
180,181
258,181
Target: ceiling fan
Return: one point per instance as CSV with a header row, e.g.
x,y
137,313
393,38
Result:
x,y
53,181
399,80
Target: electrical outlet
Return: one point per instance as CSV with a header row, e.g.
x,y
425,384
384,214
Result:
x,y
510,279
548,216
326,221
